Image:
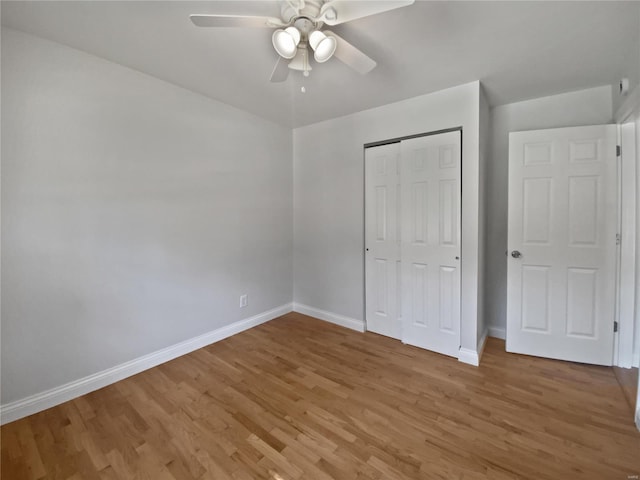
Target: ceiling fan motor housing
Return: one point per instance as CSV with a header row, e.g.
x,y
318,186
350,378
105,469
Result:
x,y
306,8
305,26
303,18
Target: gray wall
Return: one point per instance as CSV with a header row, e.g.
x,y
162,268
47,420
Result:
x,y
134,214
484,151
584,107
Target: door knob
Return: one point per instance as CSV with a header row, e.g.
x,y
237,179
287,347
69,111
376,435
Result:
x,y
516,254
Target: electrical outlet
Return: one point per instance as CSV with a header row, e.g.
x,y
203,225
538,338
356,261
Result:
x,y
244,300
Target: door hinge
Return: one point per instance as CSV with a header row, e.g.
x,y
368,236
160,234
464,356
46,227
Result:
x,y
618,239
618,150
615,327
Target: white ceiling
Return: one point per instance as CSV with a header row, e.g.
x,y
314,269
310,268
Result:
x,y
519,50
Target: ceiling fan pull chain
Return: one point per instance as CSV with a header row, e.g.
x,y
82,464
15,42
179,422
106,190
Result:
x,y
305,63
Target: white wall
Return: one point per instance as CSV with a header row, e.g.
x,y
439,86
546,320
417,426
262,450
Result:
x,y
584,107
329,199
134,214
630,69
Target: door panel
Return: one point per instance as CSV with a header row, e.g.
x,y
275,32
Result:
x,y
537,211
381,237
535,298
430,246
563,221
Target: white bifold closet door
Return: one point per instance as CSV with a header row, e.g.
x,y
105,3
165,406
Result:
x,y
412,236
430,242
382,203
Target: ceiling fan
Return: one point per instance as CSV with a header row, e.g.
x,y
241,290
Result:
x,y
300,26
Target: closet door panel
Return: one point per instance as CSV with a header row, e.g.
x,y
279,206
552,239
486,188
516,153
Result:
x,y
430,241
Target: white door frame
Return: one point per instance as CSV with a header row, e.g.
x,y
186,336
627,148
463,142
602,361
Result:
x,y
625,309
629,286
628,112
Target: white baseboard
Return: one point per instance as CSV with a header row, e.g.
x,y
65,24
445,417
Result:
x,y
466,355
55,396
636,360
341,320
482,343
498,332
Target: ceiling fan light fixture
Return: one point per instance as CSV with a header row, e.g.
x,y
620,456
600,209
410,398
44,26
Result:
x,y
323,46
286,41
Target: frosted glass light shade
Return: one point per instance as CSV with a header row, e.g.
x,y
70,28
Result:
x,y
323,46
301,60
285,41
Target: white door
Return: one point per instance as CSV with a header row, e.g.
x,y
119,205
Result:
x,y
562,243
382,256
430,244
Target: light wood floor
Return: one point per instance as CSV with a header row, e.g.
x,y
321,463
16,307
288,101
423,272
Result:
x,y
628,380
300,398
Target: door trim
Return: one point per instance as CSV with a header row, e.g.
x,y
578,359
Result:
x,y
628,113
625,301
417,135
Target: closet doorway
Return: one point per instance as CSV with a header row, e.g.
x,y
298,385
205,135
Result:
x,y
413,240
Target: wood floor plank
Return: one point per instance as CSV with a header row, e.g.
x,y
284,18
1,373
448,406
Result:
x,y
298,398
628,380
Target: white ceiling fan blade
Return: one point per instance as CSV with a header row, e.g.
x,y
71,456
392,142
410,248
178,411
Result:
x,y
340,11
280,71
236,21
351,56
